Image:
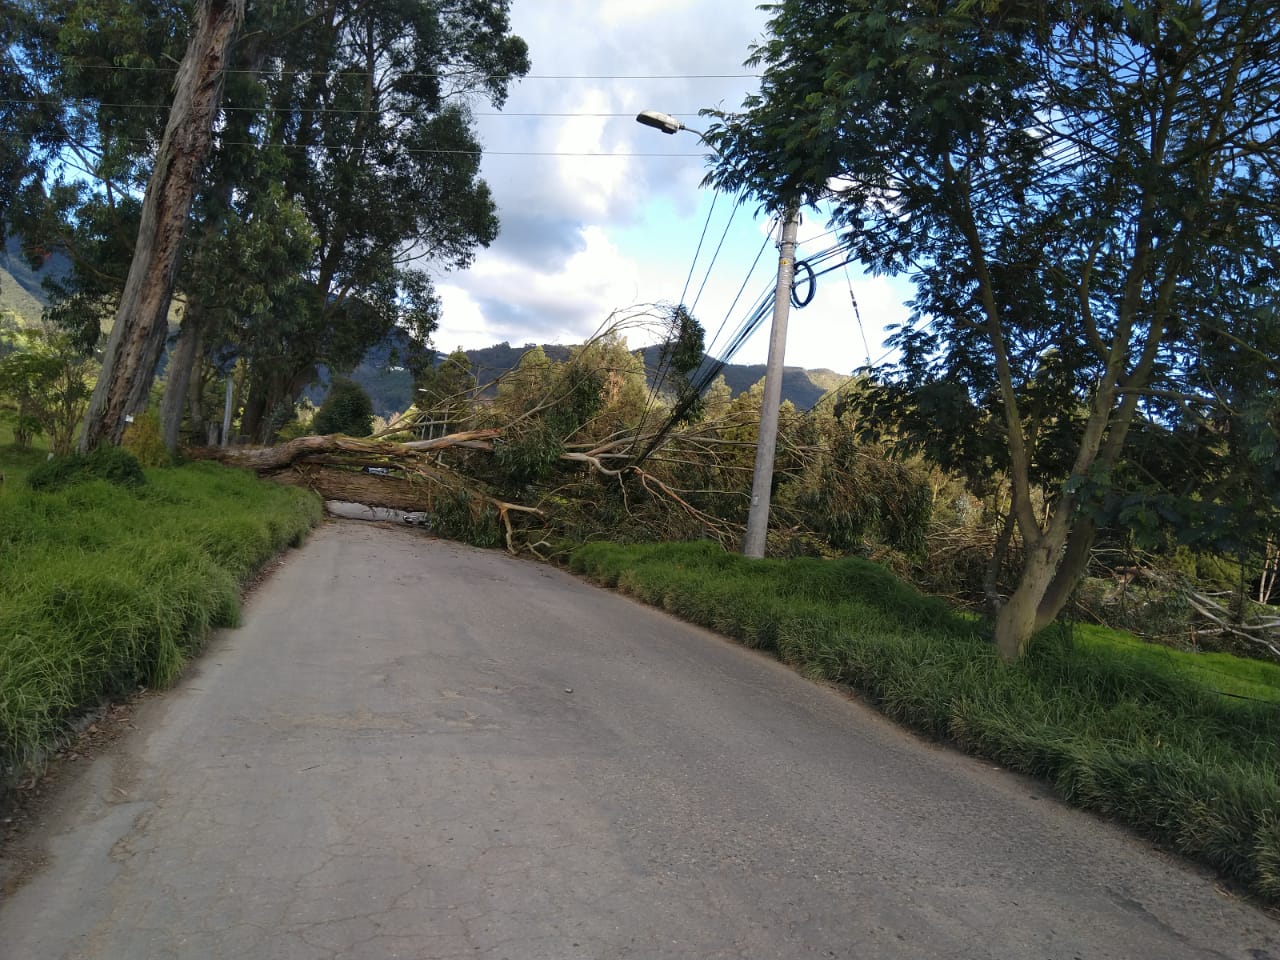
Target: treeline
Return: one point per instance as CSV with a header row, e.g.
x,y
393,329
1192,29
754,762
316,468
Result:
x,y
343,163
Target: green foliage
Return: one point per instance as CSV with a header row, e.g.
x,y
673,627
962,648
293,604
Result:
x,y
114,465
1083,196
462,517
144,439
680,355
108,587
526,386
527,456
447,390
45,383
347,409
861,494
306,207
1127,729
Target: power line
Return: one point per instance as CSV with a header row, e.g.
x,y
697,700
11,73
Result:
x,y
665,358
698,250
738,296
267,72
448,152
715,256
345,111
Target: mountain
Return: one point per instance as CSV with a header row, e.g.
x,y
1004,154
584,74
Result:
x,y
391,388
21,291
388,384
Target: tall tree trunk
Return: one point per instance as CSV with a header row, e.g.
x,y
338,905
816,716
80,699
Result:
x,y
182,361
1000,550
255,408
195,392
137,338
1071,568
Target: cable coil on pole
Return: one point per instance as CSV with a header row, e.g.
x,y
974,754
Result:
x,y
802,266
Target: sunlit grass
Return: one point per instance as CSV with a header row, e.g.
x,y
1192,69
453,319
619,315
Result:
x,y
106,588
1184,747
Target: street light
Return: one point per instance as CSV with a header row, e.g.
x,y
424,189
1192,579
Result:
x,y
753,544
661,121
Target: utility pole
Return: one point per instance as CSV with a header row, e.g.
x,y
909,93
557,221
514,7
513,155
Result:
x,y
762,480
753,543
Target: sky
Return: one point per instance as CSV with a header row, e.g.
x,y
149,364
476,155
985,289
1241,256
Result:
x,y
600,213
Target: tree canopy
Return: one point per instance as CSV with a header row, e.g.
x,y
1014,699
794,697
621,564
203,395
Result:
x,y
343,170
1084,195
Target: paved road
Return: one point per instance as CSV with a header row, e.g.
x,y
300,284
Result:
x,y
386,760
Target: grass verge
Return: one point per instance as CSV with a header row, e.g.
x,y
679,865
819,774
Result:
x,y
1127,729
107,588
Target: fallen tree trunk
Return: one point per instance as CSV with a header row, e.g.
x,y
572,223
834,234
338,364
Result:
x,y
410,476
338,468
360,452
351,486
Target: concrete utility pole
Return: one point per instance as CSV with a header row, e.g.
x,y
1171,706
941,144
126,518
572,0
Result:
x,y
762,480
753,543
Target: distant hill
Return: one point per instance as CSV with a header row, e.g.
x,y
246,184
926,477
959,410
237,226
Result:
x,y
21,291
387,383
391,389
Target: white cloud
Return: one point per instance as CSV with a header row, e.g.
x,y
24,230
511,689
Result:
x,y
584,235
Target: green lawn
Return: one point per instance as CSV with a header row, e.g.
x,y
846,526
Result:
x,y
15,464
107,587
1135,731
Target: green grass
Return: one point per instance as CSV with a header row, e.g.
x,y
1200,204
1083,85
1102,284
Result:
x,y
15,464
105,587
1134,731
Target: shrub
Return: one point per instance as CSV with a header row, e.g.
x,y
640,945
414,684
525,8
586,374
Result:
x,y
144,438
112,464
347,409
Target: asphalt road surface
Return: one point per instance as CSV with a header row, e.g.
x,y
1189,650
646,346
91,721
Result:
x,y
416,749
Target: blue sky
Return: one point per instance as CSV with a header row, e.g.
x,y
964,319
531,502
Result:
x,y
585,234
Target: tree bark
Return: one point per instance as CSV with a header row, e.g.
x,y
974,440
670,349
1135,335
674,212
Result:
x,y
195,392
1000,550
255,409
371,490
1071,568
137,337
181,362
266,459
1019,618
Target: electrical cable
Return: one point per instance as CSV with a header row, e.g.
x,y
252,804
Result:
x,y
434,151
349,111
264,71
664,362
801,302
664,369
714,256
698,250
738,296
857,313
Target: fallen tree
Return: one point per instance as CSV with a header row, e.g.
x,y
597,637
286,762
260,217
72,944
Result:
x,y
583,449
411,476
550,446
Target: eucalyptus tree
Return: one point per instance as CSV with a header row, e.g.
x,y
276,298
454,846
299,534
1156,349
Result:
x,y
137,337
84,105
368,105
352,115
1054,176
